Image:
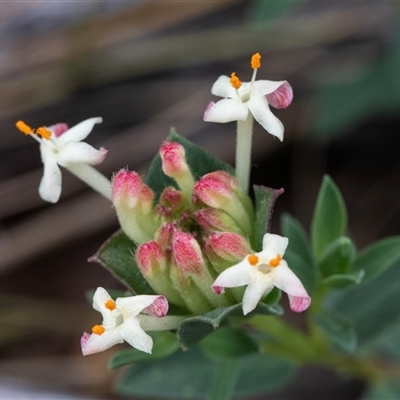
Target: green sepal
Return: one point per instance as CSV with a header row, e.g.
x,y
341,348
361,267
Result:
x,y
338,328
330,217
116,255
228,343
200,161
337,257
191,374
192,330
378,257
265,199
342,281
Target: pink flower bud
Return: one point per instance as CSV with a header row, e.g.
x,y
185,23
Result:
x,y
164,235
126,189
173,159
212,220
281,97
227,245
187,253
171,198
158,308
214,189
146,199
150,259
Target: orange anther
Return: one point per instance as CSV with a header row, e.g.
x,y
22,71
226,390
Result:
x,y
98,329
24,128
256,61
110,304
253,259
235,81
43,132
275,261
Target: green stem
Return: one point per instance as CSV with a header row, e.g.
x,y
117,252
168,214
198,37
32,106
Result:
x,y
244,139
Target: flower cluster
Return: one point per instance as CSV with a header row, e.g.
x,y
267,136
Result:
x,y
193,232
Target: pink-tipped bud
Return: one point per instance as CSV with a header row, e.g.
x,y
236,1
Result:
x,y
212,220
173,160
281,97
158,308
164,235
172,198
227,245
187,253
126,189
146,199
214,189
59,129
151,259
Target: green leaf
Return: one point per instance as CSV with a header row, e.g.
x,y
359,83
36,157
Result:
x,y
299,242
378,257
223,385
192,375
192,330
265,199
338,328
200,162
164,344
372,307
383,390
330,217
116,255
337,257
341,281
228,343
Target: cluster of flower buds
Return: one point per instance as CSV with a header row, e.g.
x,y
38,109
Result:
x,y
190,234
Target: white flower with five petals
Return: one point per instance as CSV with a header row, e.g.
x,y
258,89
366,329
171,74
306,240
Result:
x,y
261,272
121,321
255,97
62,146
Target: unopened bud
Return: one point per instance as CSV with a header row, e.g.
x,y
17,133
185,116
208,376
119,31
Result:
x,y
224,249
187,253
211,220
175,166
164,235
126,187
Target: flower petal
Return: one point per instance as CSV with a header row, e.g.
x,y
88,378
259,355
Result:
x,y
80,152
78,132
133,334
273,245
94,343
237,275
254,292
222,87
132,306
285,279
226,110
264,87
100,299
258,106
282,97
158,308
50,185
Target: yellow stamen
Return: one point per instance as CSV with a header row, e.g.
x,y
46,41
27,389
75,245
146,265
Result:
x,y
275,261
98,329
253,259
235,81
43,132
24,128
110,304
256,61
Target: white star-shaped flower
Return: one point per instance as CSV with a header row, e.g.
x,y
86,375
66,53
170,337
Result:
x,y
62,146
261,272
255,97
121,322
